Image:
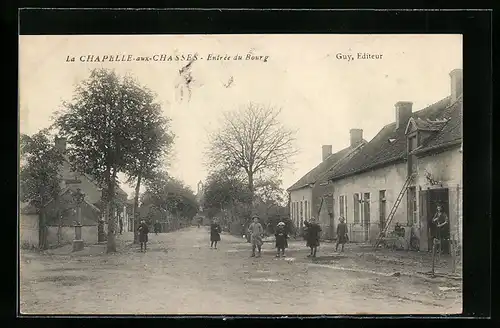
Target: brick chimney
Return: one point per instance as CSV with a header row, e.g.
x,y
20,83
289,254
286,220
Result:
x,y
326,151
60,143
356,136
456,84
403,113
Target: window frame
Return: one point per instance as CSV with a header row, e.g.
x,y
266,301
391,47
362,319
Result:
x,y
356,208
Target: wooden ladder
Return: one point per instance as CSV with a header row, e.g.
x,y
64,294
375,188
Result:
x,y
394,208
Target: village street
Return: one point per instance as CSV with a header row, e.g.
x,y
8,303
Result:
x,y
180,274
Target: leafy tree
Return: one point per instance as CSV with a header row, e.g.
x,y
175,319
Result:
x,y
39,176
101,131
252,140
151,138
171,195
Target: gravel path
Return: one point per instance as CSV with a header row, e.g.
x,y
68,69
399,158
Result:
x,y
180,274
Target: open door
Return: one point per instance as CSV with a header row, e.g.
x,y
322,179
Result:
x,y
439,197
424,226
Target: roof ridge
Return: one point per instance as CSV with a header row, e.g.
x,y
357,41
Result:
x,y
376,153
294,186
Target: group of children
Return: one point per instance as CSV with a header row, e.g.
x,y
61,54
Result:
x,y
312,231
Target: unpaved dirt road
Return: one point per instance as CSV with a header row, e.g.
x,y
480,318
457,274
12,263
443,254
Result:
x,y
180,274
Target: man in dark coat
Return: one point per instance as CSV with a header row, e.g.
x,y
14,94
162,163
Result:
x,y
341,234
215,231
313,235
281,239
143,235
441,222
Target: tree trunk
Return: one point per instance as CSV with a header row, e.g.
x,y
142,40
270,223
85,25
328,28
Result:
x,y
251,189
136,209
111,245
59,228
42,230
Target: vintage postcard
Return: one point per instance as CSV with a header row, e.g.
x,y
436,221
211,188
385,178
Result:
x,y
240,174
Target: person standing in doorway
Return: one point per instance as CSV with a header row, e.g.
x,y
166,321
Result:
x,y
441,222
281,239
313,235
256,231
342,236
143,235
215,231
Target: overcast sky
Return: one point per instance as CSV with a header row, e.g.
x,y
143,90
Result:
x,y
320,95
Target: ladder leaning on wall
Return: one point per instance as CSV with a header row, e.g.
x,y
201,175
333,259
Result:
x,y
382,233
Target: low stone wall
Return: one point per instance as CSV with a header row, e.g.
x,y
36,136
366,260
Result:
x,y
28,230
67,235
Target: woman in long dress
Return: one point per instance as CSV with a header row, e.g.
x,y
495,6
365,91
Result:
x,y
215,231
143,235
313,235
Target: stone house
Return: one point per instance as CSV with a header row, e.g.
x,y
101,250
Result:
x,y
307,195
29,232
70,182
62,217
93,192
401,159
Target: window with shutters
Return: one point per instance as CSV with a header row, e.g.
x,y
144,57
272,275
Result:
x,y
342,206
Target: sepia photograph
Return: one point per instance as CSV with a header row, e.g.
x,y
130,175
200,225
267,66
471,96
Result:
x,y
240,174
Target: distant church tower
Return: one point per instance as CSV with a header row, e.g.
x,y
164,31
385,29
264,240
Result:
x,y
199,195
200,188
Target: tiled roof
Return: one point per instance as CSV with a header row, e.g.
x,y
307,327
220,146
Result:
x,y
119,190
316,173
451,131
68,190
389,145
428,124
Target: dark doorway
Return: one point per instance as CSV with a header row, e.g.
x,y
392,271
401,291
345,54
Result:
x,y
430,199
382,209
366,214
332,226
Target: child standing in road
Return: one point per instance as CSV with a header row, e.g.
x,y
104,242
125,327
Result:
x,y
256,231
143,235
281,239
215,231
341,234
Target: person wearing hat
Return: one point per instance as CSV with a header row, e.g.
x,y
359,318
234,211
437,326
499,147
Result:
x,y
313,235
341,234
143,235
256,231
215,231
281,239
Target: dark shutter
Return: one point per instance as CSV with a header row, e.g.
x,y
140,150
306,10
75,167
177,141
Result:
x,y
423,213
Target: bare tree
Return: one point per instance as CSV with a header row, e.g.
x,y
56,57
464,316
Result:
x,y
252,140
